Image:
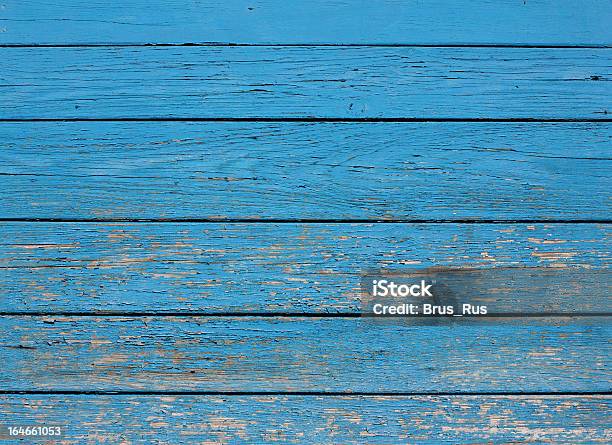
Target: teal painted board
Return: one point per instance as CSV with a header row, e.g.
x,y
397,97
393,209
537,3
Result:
x,y
282,82
283,354
169,325
303,268
289,170
430,420
313,21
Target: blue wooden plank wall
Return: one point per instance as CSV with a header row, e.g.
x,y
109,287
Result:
x,y
432,22
192,190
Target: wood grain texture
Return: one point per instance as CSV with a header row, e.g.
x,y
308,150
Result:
x,y
315,21
339,82
323,420
249,170
302,354
160,280
306,268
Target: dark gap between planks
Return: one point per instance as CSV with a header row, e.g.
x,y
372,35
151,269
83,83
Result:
x,y
364,45
308,119
303,221
306,393
187,314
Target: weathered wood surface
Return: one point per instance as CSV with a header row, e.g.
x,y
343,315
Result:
x,y
312,419
314,21
306,268
338,82
433,170
146,272
302,354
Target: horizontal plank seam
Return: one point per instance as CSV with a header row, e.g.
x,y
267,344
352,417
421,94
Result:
x,y
306,119
304,393
350,45
304,221
188,314
78,264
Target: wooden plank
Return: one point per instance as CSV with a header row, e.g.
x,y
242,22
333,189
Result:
x,y
302,354
314,419
338,82
315,21
305,268
434,170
